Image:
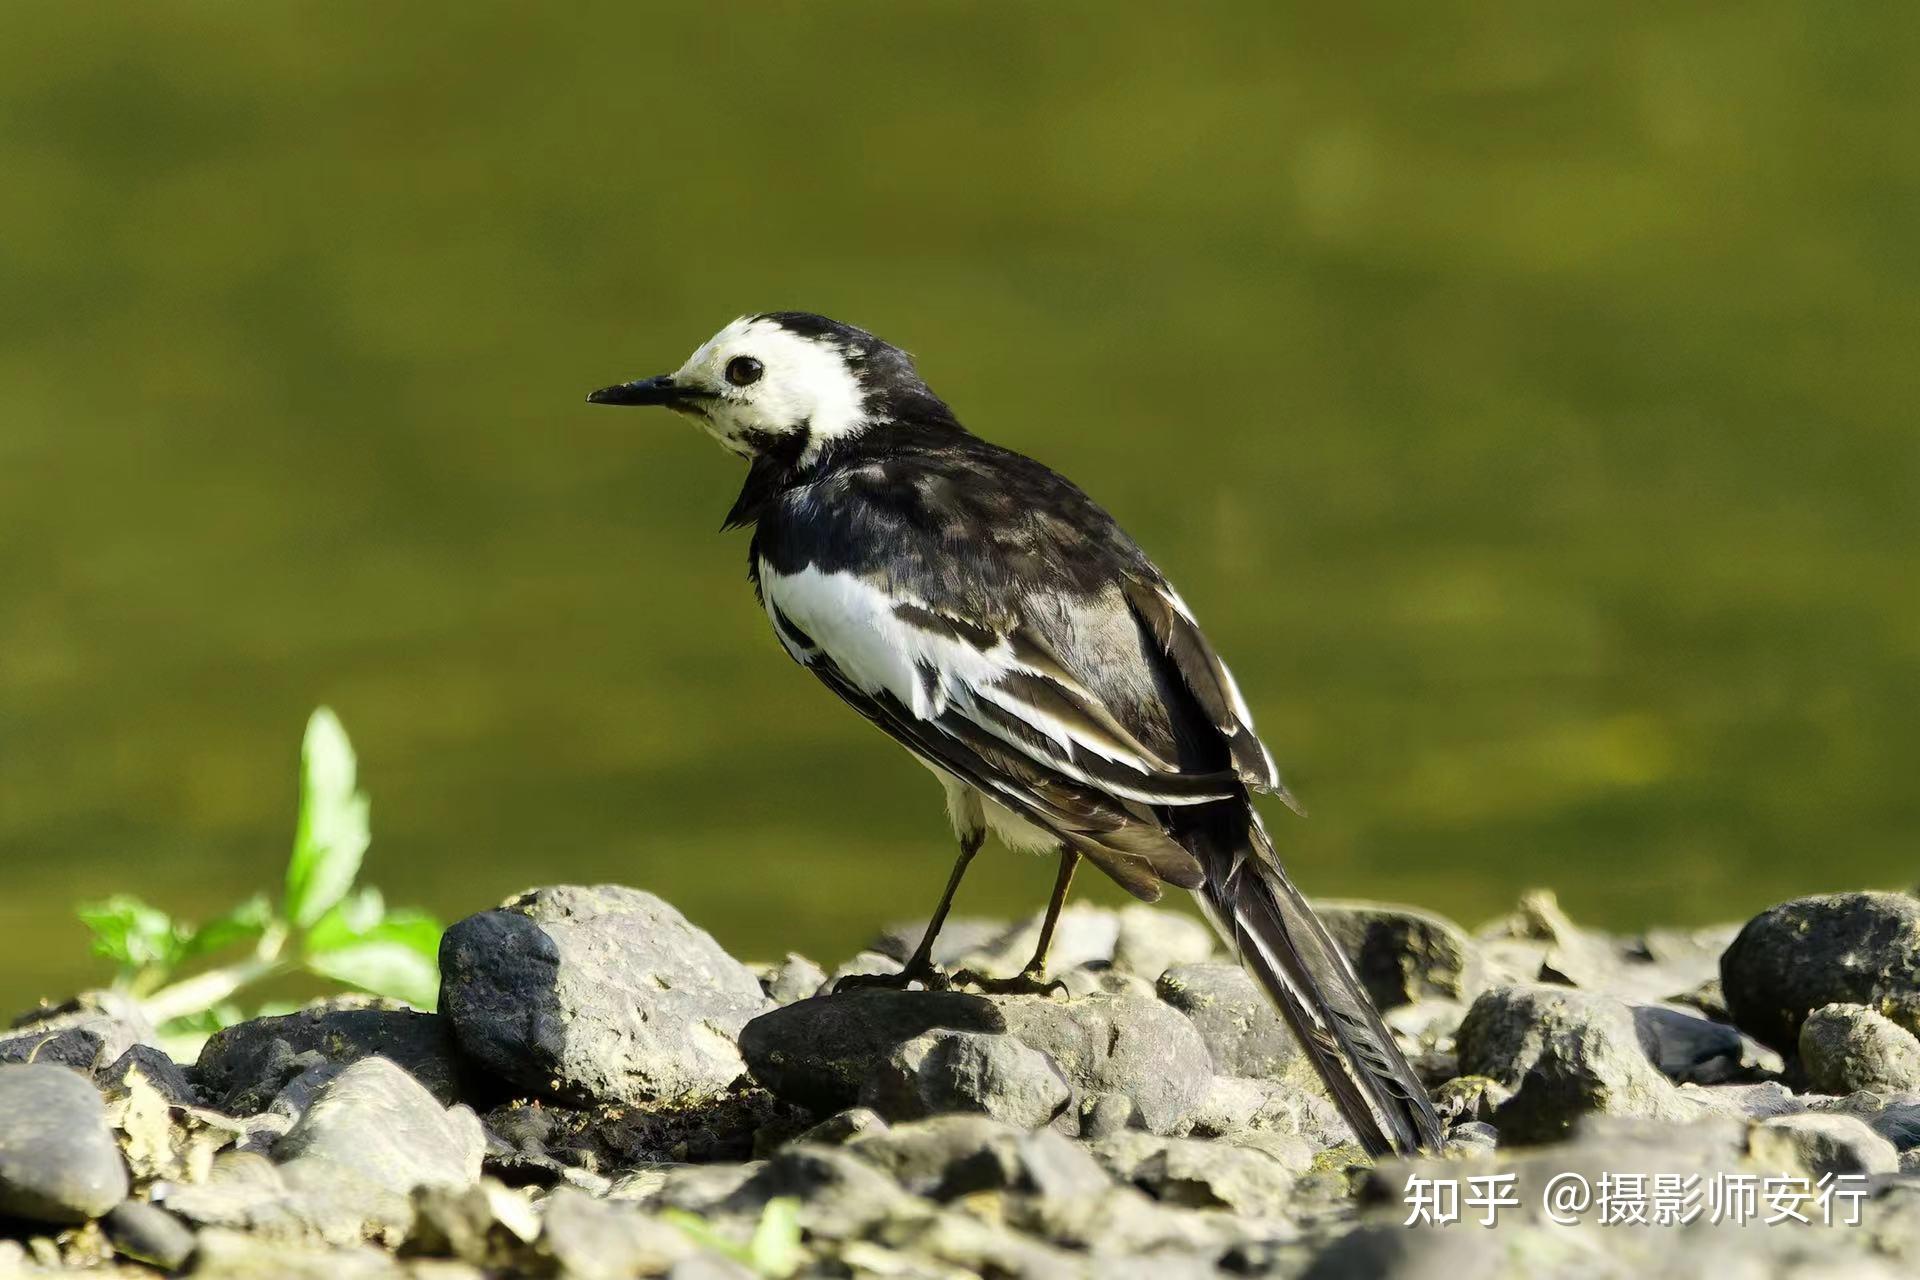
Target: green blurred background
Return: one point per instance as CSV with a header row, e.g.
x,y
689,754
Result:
x,y
1524,401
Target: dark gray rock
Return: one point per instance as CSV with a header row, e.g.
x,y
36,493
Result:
x,y
244,1067
842,1125
147,1233
378,1123
597,1240
955,1155
597,994
1845,1048
1839,948
1566,1054
1692,1048
167,1077
1403,954
945,1070
1812,1145
1244,1034
58,1160
840,1195
86,1033
819,1053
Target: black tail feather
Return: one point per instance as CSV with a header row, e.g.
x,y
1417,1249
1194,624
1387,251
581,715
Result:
x,y
1284,945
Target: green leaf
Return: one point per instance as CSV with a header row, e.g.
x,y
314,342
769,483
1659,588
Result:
x,y
132,934
384,967
775,1247
332,834
244,924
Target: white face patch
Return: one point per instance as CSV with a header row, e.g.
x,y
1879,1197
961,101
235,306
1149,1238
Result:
x,y
805,385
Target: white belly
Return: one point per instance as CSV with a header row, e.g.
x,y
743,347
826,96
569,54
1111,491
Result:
x,y
970,812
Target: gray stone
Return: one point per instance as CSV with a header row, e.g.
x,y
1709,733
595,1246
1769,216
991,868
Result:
x,y
597,995
1149,941
1812,1145
1425,1032
945,1070
959,936
819,1053
146,1233
1243,1032
1840,948
167,1077
1845,1048
1402,954
840,1195
378,1123
86,1033
1566,1054
842,1125
1084,935
794,978
58,1161
225,1254
244,1067
595,1240
1236,1106
949,1156
1204,1175
486,1225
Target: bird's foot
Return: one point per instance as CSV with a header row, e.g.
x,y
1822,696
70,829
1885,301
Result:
x,y
924,974
1029,982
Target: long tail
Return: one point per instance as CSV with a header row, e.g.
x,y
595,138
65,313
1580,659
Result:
x,y
1282,942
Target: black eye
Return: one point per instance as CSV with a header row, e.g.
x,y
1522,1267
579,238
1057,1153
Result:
x,y
743,371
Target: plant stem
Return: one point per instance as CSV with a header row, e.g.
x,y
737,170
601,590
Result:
x,y
205,990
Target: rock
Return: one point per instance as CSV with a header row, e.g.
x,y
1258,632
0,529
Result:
x,y
1845,1048
1839,948
378,1123
820,1052
244,1067
86,1033
597,994
157,1069
1402,954
1084,935
842,1125
146,1233
1692,1048
1425,1032
959,936
950,1156
945,1070
794,978
225,1254
1566,1054
1243,1032
1149,941
487,1225
58,1161
1818,1144
1236,1106
1203,1175
594,1240
838,1194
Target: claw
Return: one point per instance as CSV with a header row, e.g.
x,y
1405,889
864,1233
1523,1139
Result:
x,y
1027,983
927,976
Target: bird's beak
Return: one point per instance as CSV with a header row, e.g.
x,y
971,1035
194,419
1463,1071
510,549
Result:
x,y
660,391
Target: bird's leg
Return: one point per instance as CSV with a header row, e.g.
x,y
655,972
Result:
x,y
919,967
1032,979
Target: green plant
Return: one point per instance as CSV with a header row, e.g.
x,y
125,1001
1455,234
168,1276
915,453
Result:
x,y
185,976
774,1249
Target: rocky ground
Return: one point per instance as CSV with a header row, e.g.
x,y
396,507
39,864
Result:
x,y
607,1093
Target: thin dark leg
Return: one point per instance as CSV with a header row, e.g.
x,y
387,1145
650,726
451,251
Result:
x,y
1032,979
919,967
1037,967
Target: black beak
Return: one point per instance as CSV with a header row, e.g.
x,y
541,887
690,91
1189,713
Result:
x,y
658,390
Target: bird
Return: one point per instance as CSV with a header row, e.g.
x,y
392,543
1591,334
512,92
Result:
x,y
991,618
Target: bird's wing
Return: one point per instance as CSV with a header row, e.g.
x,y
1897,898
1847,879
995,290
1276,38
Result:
x,y
973,679
985,701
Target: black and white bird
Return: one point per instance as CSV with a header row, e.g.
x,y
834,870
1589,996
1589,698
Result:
x,y
989,617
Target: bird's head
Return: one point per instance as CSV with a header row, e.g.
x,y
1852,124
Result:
x,y
785,384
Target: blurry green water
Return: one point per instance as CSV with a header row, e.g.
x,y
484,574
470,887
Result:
x,y
1524,401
